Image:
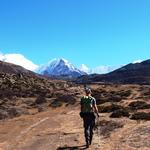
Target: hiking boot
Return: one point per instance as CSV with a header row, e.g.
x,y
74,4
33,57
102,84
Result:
x,y
90,142
87,145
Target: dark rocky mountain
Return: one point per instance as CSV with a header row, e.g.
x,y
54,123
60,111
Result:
x,y
13,69
138,73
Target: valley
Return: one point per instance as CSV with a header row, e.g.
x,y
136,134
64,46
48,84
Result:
x,y
40,113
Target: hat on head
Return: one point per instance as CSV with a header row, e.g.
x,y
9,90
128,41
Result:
x,y
88,91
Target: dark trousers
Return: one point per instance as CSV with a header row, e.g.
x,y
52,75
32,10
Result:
x,y
89,123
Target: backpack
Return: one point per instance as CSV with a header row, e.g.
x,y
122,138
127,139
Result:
x,y
87,104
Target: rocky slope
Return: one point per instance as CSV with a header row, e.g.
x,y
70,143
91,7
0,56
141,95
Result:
x,y
21,90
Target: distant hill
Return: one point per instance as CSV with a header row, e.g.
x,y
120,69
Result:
x,y
13,69
137,73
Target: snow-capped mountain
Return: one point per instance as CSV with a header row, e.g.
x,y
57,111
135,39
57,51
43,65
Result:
x,y
99,69
60,67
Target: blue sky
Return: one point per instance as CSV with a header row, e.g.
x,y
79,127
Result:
x,y
91,32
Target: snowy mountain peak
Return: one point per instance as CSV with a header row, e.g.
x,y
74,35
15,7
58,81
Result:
x,y
60,67
59,60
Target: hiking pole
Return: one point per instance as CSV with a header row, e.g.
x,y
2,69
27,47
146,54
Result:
x,y
98,130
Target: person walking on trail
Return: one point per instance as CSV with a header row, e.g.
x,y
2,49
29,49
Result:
x,y
88,110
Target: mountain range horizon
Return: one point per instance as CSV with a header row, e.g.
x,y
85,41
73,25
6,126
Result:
x,y
132,73
21,60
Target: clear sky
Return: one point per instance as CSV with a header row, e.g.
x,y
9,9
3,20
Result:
x,y
93,32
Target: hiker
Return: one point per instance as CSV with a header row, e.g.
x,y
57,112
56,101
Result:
x,y
88,110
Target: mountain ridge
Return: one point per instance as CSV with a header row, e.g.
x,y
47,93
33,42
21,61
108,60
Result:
x,y
132,73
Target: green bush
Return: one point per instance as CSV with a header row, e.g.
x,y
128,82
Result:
x,y
141,116
108,107
120,113
139,105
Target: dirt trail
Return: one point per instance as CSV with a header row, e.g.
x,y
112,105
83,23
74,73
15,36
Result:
x,y
62,130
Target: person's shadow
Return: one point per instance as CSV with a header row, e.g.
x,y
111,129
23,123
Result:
x,y
82,147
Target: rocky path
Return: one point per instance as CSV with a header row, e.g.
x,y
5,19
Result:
x,y
62,130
